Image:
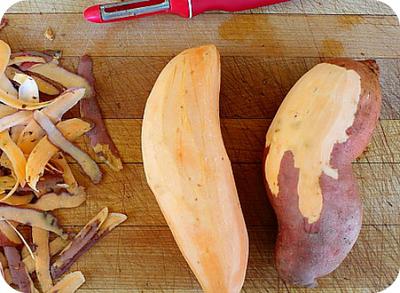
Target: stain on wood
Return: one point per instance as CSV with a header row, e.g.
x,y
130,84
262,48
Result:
x,y
332,47
238,29
347,22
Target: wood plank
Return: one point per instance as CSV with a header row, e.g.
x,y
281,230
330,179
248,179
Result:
x,y
127,192
245,139
149,259
235,35
252,87
295,6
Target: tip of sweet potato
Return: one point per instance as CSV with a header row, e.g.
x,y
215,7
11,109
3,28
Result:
x,y
372,65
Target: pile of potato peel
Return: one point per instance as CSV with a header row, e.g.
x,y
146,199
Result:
x,y
35,176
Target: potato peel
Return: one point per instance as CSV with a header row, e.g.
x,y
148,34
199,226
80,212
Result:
x,y
18,270
42,153
32,218
54,201
55,136
111,222
15,155
55,247
8,237
33,132
10,100
69,283
69,178
45,85
99,138
15,119
40,239
70,253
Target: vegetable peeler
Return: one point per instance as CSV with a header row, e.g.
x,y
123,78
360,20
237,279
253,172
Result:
x,y
186,8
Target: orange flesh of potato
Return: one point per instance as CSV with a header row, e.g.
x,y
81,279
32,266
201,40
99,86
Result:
x,y
189,171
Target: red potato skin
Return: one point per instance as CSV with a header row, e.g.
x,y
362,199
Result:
x,y
305,252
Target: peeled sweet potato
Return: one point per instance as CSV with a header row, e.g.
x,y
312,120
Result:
x,y
325,122
189,171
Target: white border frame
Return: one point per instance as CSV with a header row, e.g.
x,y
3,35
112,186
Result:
x,y
5,4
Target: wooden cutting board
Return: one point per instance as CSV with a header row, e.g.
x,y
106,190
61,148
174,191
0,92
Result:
x,y
264,52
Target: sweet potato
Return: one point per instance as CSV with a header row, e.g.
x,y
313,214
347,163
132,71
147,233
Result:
x,y
325,122
189,171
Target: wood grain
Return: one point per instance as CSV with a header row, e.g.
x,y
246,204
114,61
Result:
x,y
245,139
252,87
148,259
263,56
295,6
235,35
127,192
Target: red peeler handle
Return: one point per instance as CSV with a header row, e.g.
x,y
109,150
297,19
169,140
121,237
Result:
x,y
200,6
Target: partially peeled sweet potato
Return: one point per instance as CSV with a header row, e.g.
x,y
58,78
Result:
x,y
325,122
